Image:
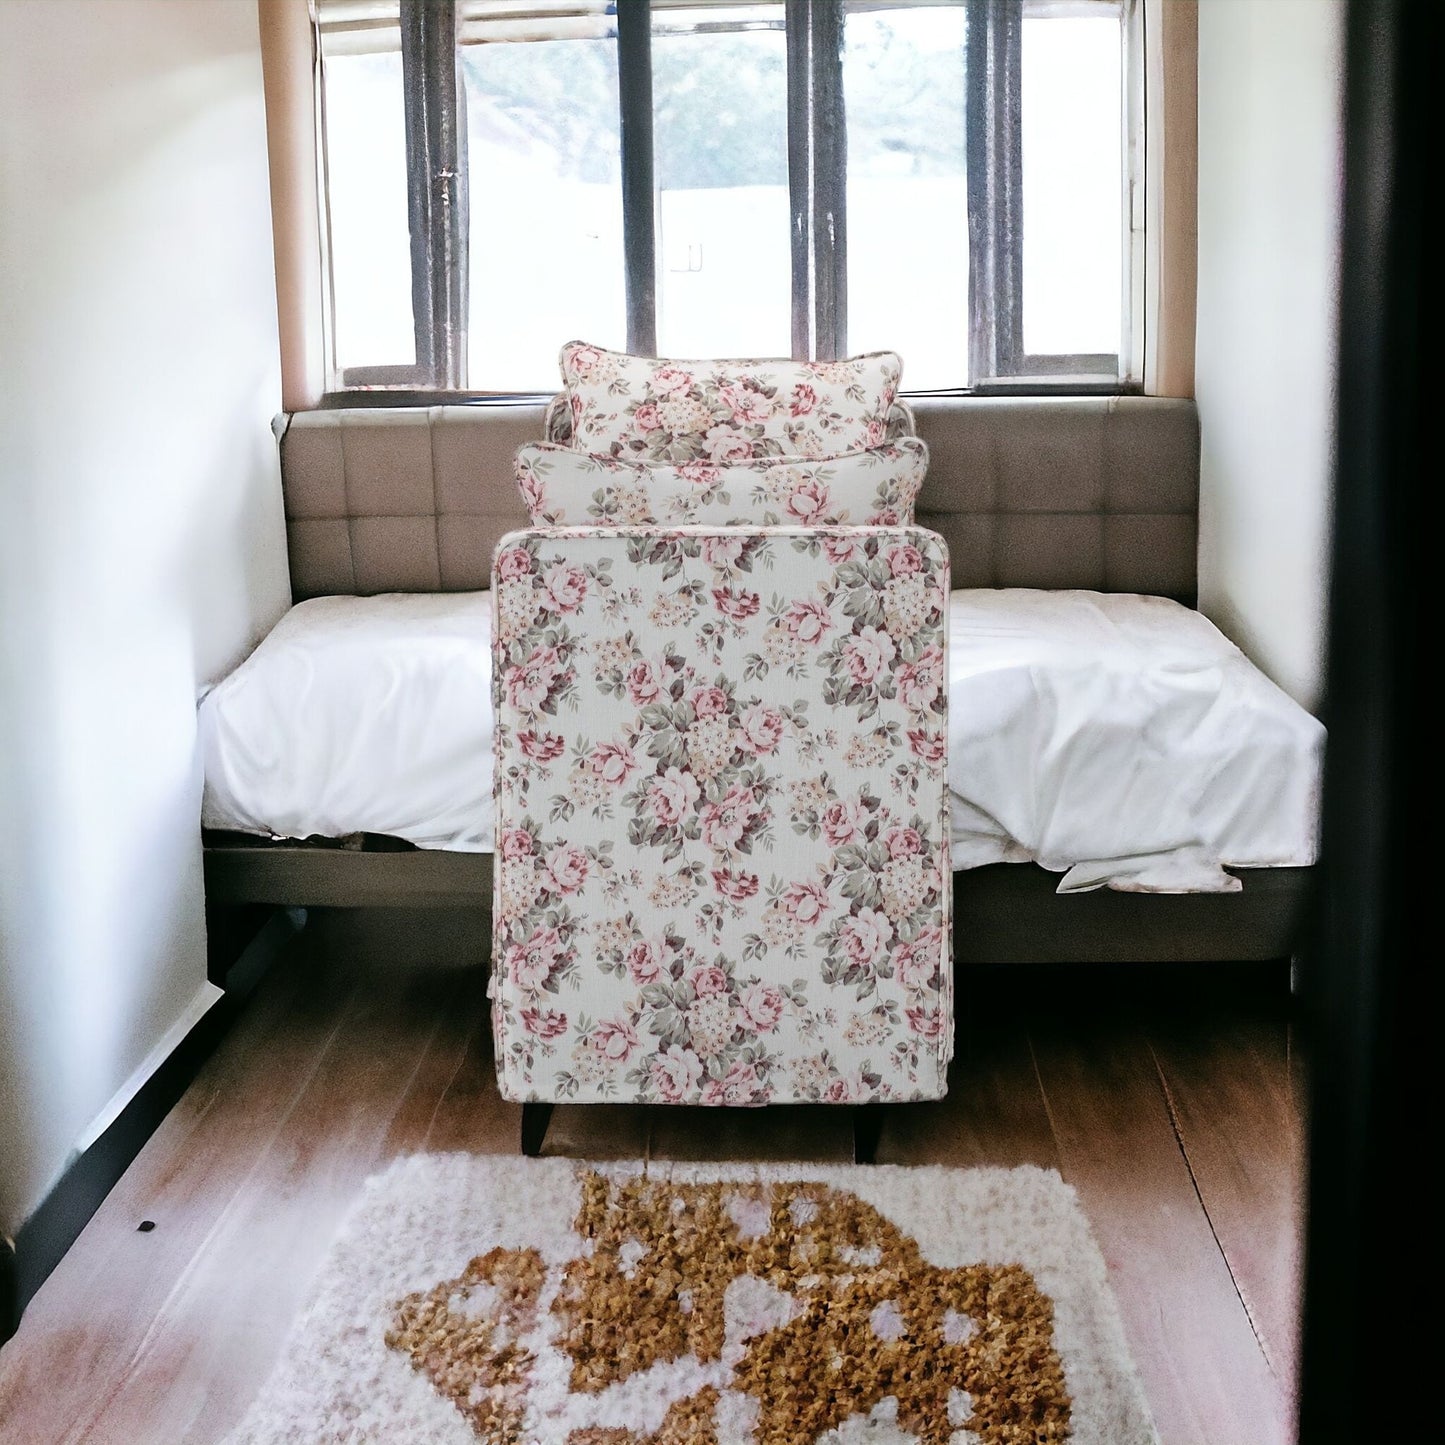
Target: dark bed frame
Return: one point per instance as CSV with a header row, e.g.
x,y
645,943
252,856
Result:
x,y
1003,913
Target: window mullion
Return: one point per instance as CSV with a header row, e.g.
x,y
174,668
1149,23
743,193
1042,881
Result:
x,y
830,176
415,23
639,222
993,55
456,202
800,175
817,178
436,187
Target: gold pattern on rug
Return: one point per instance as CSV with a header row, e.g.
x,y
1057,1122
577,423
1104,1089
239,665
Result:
x,y
475,1359
824,1308
688,1422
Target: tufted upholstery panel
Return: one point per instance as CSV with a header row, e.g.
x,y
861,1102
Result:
x,y
401,499
1096,492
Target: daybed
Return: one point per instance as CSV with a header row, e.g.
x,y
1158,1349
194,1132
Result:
x,y
1098,724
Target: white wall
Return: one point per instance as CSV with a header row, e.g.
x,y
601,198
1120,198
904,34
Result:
x,y
141,543
1269,192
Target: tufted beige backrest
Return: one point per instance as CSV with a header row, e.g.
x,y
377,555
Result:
x,y
1081,491
400,499
1096,492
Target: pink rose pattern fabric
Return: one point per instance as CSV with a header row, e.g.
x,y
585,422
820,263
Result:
x,y
723,412
722,869
557,421
876,488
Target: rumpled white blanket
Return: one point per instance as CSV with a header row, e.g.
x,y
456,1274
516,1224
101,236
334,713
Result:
x,y
1119,740
1122,741
359,715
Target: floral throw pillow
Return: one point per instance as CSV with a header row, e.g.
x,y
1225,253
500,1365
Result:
x,y
557,421
669,412
874,488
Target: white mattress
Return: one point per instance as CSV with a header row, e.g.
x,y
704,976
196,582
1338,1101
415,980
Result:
x,y
1117,739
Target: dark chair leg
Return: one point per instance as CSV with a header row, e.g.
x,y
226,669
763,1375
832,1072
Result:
x,y
867,1127
535,1118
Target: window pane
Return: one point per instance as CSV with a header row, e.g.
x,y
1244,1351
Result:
x,y
545,177
907,195
720,128
1073,184
366,204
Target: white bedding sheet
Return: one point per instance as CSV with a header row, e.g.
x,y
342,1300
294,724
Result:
x,y
1123,741
1120,740
359,715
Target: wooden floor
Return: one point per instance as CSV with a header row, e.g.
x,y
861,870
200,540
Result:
x,y
1169,1098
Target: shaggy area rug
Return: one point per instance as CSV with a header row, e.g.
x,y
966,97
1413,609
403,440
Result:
x,y
546,1302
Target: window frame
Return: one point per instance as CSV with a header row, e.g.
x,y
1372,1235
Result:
x,y
431,43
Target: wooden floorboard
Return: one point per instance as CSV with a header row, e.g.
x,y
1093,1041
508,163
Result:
x,y
1207,1378
94,1310
470,1116
816,1134
592,1131
222,1325
1236,1115
993,1114
1179,1126
441,1064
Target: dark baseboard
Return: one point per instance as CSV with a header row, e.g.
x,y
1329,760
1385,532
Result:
x,y
45,1237
9,1289
230,932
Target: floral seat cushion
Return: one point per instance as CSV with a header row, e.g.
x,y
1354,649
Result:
x,y
722,859
876,487
669,412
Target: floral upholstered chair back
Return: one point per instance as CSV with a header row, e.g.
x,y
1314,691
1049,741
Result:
x,y
722,811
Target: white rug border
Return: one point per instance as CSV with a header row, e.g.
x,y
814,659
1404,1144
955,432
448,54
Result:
x,y
426,1216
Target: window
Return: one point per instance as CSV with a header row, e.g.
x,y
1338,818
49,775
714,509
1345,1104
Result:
x,y
907,194
720,167
953,179
544,161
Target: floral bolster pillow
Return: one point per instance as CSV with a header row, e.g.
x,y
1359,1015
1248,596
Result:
x,y
875,488
726,411
557,422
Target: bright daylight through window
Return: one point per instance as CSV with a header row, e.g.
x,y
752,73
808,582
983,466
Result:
x,y
951,179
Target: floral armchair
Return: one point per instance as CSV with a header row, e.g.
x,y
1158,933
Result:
x,y
722,816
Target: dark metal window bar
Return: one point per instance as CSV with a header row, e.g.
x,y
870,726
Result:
x,y
817,178
436,166
639,216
